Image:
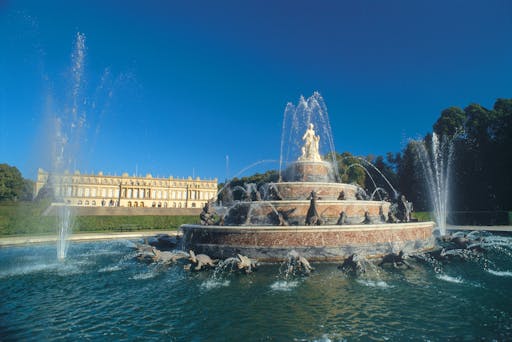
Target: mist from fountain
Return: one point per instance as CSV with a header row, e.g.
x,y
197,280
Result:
x,y
436,165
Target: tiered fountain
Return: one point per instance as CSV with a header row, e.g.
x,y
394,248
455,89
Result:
x,y
308,210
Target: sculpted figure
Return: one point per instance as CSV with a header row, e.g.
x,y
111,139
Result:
x,y
312,217
274,193
342,219
207,216
311,145
298,263
170,257
367,218
382,217
394,259
404,209
242,263
351,265
200,260
281,217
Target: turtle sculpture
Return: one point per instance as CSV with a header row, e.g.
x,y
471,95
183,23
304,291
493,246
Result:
x,y
146,253
241,262
395,260
351,265
201,260
299,263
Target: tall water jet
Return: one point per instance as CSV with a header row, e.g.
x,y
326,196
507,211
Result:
x,y
68,125
436,161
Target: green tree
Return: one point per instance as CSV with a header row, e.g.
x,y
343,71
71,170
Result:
x,y
11,183
351,169
451,122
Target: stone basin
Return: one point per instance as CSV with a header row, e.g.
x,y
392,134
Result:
x,y
316,243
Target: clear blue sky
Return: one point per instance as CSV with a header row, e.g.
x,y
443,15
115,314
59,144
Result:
x,y
188,82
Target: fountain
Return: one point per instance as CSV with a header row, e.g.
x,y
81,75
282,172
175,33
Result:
x,y
436,164
68,124
308,210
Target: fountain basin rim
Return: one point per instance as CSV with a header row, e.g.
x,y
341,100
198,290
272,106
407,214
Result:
x,y
345,228
329,201
329,184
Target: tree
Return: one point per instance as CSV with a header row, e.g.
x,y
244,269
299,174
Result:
x,y
351,169
451,121
11,183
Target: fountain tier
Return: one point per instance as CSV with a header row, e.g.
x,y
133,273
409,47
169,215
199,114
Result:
x,y
316,243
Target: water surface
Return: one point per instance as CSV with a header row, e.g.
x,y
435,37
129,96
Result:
x,y
101,293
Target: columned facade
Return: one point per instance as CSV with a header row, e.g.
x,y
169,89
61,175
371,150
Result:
x,y
99,190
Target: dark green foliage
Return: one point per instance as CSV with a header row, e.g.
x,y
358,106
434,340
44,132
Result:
x,y
451,122
350,169
11,183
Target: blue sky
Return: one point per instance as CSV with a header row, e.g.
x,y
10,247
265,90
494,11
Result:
x,y
171,88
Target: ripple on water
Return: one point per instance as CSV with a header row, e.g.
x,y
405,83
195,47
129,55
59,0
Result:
x,y
145,275
211,284
450,279
284,285
500,273
374,283
110,269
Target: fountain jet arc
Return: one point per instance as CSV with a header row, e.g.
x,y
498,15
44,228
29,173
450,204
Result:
x,y
436,165
301,211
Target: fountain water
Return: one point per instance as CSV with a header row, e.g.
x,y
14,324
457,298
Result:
x,y
436,164
307,210
69,124
69,115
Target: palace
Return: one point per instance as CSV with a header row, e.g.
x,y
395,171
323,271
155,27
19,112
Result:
x,y
99,190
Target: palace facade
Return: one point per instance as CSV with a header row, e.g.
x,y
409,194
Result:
x,y
99,190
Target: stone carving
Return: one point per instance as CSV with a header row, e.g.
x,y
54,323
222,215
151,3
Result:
x,y
311,145
382,217
274,193
281,217
361,195
207,216
400,211
367,218
404,209
169,257
313,217
342,219
150,254
351,265
251,193
242,263
392,214
394,259
200,260
341,196
297,263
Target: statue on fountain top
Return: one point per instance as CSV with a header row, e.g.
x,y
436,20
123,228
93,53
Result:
x,y
310,148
